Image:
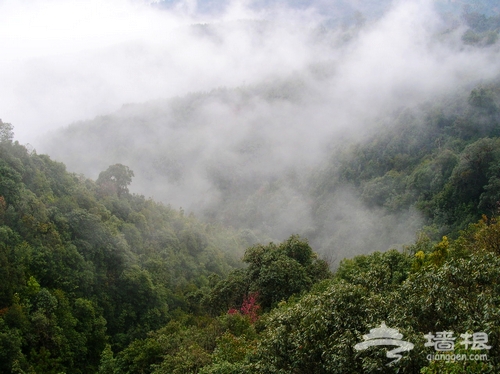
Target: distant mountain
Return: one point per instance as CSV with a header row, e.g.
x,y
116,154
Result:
x,y
346,9
339,145
404,175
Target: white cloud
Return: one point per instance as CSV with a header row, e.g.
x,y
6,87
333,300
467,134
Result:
x,y
64,61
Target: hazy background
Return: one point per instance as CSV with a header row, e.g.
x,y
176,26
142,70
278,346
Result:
x,y
228,109
70,60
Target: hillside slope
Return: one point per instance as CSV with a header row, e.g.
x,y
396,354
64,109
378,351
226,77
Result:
x,y
84,264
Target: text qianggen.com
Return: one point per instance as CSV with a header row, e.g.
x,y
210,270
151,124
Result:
x,y
457,357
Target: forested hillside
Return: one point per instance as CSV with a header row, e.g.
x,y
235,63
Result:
x,y
450,286
285,188
85,264
102,280
440,158
429,165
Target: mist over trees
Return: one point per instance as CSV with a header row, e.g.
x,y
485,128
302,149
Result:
x,y
235,156
248,187
84,265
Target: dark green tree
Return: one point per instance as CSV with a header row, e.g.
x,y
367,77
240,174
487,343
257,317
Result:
x,y
274,272
115,179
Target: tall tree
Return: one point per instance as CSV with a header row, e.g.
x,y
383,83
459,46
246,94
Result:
x,y
116,178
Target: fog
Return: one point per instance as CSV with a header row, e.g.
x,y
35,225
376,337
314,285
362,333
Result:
x,y
228,111
65,61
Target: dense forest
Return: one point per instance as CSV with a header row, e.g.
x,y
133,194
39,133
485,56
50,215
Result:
x,y
85,263
96,279
295,224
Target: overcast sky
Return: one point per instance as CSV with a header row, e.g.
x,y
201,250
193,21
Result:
x,y
70,60
64,61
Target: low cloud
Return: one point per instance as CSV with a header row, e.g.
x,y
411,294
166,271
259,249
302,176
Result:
x,y
228,111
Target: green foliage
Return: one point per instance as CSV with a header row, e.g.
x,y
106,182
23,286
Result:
x,y
115,179
95,279
10,184
378,272
228,293
275,272
456,291
87,268
232,349
441,158
10,347
483,30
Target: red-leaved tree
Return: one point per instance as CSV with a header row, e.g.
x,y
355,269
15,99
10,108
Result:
x,y
249,307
